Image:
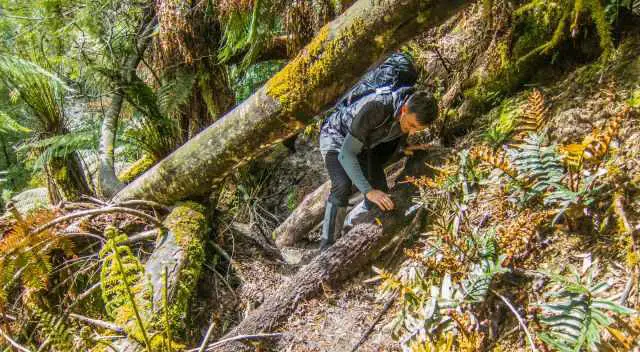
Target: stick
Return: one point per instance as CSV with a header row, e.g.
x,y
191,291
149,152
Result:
x,y
96,322
520,321
13,343
207,336
148,203
141,236
97,212
367,333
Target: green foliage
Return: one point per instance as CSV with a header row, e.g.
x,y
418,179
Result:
x,y
9,125
503,122
39,89
246,82
248,30
55,330
579,312
61,146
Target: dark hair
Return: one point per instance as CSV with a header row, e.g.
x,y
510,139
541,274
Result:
x,y
424,105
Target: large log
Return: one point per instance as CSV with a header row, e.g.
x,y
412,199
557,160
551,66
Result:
x,y
303,218
343,50
347,256
179,251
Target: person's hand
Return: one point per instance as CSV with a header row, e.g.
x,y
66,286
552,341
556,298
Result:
x,y
408,150
380,199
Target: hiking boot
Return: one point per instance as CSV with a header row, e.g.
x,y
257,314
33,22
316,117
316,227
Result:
x,y
356,215
332,224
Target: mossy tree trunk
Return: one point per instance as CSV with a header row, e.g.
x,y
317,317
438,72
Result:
x,y
180,255
339,55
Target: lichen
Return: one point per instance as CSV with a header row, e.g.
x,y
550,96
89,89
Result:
x,y
137,168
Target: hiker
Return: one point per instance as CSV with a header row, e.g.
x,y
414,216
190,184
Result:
x,y
363,133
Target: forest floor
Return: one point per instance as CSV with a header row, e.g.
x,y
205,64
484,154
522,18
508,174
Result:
x,y
577,100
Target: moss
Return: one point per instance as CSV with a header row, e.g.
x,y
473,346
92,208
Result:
x,y
634,101
188,224
137,168
503,121
308,71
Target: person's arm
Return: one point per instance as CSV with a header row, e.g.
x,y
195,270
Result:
x,y
369,116
348,158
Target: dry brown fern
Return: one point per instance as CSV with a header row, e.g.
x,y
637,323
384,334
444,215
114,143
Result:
x,y
534,117
515,238
599,145
497,159
25,257
595,146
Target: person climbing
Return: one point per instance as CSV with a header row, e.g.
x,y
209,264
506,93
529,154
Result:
x,y
362,134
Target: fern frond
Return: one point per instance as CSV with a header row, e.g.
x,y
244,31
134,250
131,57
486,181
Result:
x,y
41,90
496,158
26,258
534,117
9,125
61,146
175,93
538,164
576,320
55,329
598,147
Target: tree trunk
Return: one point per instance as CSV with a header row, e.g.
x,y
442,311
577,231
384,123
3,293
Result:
x,y
108,183
304,218
180,252
343,50
346,257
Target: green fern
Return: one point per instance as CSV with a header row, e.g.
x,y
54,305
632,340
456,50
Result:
x,y
61,146
579,313
39,89
538,164
9,125
55,330
175,93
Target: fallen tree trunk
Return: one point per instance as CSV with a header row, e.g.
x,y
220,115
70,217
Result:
x,y
345,258
303,218
343,50
310,211
179,255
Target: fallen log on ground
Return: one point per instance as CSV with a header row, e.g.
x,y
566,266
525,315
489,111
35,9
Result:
x,y
343,50
170,273
350,254
309,213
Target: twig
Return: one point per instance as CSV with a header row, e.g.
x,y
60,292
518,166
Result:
x,y
520,321
226,283
207,336
95,322
106,210
238,338
367,333
84,295
13,343
147,203
141,236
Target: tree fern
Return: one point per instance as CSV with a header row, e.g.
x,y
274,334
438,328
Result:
x,y
579,313
38,88
61,146
9,125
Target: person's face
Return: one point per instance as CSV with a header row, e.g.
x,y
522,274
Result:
x,y
409,122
